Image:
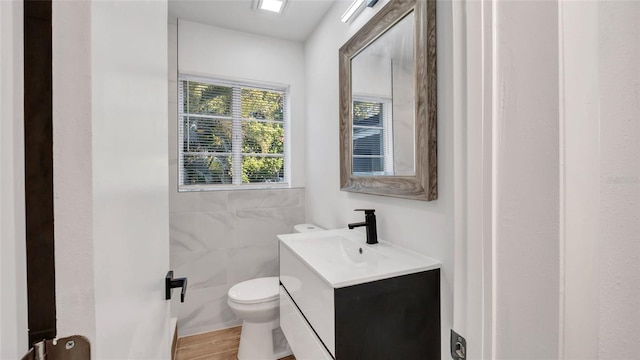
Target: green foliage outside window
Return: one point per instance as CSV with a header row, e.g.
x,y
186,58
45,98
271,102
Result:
x,y
363,110
208,134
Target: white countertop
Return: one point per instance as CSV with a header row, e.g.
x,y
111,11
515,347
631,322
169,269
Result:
x,y
342,258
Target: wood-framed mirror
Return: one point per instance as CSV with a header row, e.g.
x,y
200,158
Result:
x,y
388,98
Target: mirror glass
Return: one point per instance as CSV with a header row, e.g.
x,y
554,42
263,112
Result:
x,y
383,103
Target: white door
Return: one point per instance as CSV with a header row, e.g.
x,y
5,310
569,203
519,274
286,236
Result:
x,y
111,175
13,289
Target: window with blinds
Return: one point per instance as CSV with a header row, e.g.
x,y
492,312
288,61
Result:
x,y
372,138
231,135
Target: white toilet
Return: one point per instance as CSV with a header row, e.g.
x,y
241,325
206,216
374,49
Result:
x,y
257,303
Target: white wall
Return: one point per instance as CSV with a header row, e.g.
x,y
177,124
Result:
x,y
619,245
214,51
366,85
403,119
602,179
425,227
13,282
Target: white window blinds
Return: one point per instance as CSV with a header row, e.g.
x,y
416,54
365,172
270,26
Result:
x,y
372,137
231,135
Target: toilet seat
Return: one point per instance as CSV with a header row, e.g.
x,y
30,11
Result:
x,y
255,291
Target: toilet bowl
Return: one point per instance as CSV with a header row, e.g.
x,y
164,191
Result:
x,y
257,303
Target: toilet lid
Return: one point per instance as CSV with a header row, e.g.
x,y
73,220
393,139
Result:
x,y
255,291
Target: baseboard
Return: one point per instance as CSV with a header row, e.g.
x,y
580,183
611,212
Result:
x,y
174,337
209,328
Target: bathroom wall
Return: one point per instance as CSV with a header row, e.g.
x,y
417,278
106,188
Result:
x,y
219,238
619,245
218,52
425,227
602,200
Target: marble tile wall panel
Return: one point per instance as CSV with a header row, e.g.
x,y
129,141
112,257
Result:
x,y
205,268
252,262
264,199
259,226
197,201
194,231
220,238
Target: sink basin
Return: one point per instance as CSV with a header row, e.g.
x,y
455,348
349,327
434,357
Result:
x,y
339,250
343,258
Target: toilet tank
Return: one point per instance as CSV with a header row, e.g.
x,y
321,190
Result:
x,y
301,228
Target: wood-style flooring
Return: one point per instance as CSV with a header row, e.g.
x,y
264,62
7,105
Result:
x,y
215,345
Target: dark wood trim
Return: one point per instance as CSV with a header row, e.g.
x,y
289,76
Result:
x,y
38,133
424,185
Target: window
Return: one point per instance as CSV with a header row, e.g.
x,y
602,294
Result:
x,y
232,135
372,138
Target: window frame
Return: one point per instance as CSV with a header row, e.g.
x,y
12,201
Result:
x,y
237,140
387,133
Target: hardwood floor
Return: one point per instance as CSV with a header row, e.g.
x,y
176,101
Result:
x,y
215,345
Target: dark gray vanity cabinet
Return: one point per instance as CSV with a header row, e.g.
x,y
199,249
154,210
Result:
x,y
396,318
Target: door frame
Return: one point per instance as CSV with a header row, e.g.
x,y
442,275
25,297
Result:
x,y
474,119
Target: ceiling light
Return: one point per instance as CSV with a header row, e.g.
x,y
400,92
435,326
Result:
x,y
271,5
355,5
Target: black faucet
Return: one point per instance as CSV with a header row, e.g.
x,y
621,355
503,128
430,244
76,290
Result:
x,y
370,223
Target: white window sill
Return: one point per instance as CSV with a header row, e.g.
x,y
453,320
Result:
x,y
191,188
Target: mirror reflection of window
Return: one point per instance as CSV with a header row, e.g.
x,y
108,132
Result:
x,y
382,79
372,137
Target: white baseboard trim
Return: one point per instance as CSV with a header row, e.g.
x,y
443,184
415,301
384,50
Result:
x,y
205,329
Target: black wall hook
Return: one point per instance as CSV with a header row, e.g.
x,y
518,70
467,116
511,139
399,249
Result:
x,y
170,283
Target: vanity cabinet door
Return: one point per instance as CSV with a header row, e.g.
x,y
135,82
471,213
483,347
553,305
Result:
x,y
397,318
303,341
312,295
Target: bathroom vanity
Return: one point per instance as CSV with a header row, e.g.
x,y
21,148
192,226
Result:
x,y
343,299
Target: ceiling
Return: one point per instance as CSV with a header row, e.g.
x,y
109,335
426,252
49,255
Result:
x,y
297,22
